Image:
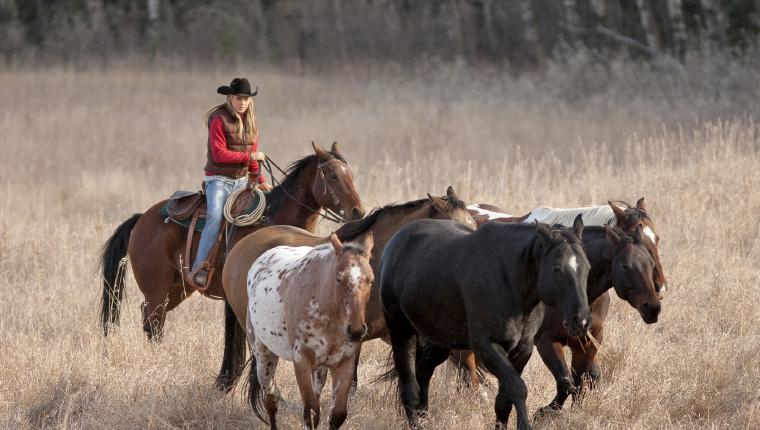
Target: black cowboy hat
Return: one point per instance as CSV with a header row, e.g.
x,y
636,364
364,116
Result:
x,y
238,87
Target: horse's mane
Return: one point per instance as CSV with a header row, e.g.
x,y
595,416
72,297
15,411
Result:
x,y
592,215
351,230
279,194
562,233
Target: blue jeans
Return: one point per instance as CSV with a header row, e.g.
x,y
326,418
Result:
x,y
218,188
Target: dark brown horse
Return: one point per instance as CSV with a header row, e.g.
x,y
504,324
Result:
x,y
444,286
382,223
626,260
155,247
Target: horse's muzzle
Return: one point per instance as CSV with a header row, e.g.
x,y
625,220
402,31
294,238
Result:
x,y
650,312
356,335
578,325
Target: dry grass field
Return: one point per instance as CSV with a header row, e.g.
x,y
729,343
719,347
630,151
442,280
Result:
x,y
84,148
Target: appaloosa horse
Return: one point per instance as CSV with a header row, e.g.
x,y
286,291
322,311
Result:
x,y
155,247
382,223
443,286
307,305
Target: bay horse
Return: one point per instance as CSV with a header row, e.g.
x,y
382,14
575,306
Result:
x,y
155,247
620,259
444,286
382,223
307,305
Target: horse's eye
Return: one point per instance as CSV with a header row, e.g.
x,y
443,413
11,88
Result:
x,y
333,176
626,267
556,268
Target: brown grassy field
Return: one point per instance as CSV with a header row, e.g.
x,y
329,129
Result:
x,y
84,149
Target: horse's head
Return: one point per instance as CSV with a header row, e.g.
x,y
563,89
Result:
x,y
450,207
632,272
629,219
354,278
563,273
333,186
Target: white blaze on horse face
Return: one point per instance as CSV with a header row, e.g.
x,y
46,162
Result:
x,y
356,275
573,263
490,214
650,234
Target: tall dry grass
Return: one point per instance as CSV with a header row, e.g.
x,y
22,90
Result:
x,y
84,149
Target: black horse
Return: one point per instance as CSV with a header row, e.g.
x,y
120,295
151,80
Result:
x,y
618,260
455,288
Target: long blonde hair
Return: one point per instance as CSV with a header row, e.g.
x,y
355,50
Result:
x,y
248,123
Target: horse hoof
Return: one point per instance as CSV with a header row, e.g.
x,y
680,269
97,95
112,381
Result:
x,y
546,412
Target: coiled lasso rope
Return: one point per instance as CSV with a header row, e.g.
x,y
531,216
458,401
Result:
x,y
245,219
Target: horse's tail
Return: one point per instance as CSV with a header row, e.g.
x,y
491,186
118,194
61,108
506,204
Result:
x,y
463,371
233,361
390,374
255,397
113,263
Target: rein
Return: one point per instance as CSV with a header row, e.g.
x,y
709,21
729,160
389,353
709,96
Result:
x,y
328,215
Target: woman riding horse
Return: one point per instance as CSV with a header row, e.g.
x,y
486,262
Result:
x,y
233,140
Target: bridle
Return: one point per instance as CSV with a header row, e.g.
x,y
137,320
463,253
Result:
x,y
328,214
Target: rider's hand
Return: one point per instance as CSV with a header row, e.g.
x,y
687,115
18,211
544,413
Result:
x,y
265,187
257,156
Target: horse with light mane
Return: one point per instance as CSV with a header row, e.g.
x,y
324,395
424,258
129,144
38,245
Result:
x,y
624,258
307,305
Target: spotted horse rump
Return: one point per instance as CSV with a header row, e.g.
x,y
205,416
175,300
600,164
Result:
x,y
307,305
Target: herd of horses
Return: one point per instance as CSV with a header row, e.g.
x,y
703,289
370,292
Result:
x,y
468,283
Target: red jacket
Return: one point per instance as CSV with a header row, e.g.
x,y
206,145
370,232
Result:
x,y
221,154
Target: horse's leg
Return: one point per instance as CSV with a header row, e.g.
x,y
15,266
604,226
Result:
x,y
403,342
467,368
266,366
355,376
341,386
427,358
552,354
585,365
158,301
512,389
304,373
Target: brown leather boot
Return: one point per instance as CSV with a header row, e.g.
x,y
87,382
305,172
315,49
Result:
x,y
201,277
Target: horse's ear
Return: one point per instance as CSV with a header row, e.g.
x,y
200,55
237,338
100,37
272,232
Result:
x,y
450,192
618,211
336,243
613,235
321,152
640,205
578,226
544,233
368,242
437,202
334,148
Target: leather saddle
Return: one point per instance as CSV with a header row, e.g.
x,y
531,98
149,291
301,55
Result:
x,y
187,208
182,205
